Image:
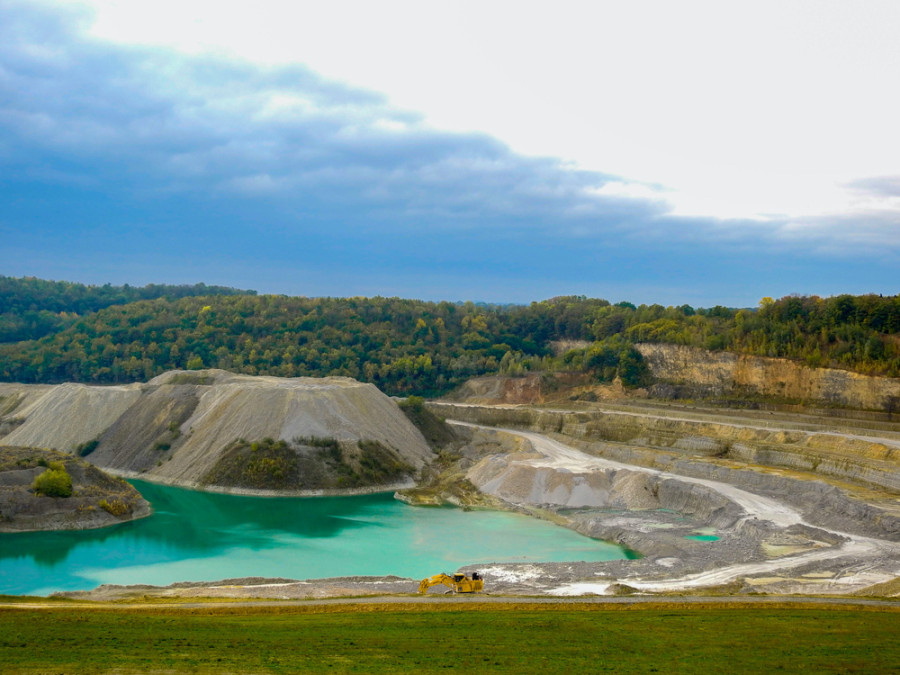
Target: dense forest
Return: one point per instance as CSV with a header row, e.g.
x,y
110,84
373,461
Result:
x,y
121,334
32,308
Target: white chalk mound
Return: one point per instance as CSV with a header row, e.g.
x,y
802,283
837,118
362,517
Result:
x,y
70,414
176,427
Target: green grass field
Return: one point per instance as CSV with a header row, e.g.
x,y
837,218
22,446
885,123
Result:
x,y
379,638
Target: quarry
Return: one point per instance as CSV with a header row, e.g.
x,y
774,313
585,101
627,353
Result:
x,y
753,497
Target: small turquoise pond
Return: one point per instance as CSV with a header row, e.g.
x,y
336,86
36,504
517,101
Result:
x,y
201,536
703,537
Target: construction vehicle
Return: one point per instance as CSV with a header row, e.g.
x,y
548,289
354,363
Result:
x,y
458,583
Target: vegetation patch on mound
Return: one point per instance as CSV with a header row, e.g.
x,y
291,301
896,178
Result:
x,y
436,431
49,490
307,463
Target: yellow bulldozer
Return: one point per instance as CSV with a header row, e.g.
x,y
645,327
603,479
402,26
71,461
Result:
x,y
458,583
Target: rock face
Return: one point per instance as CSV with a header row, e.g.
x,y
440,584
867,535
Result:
x,y
692,372
535,388
500,389
858,459
176,427
97,499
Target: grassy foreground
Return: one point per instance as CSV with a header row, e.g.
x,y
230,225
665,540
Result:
x,y
423,638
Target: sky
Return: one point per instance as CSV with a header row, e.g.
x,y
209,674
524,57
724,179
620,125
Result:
x,y
657,152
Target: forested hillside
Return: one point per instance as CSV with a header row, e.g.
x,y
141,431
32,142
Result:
x,y
400,345
411,346
32,308
860,333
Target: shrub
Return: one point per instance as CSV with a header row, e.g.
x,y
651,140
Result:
x,y
116,507
413,403
55,482
191,378
84,449
195,363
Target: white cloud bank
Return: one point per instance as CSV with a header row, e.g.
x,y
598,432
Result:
x,y
764,110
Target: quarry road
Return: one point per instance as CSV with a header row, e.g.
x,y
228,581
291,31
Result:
x,y
556,455
723,575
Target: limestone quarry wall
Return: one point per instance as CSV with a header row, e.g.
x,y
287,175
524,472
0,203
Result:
x,y
531,388
699,372
854,459
176,427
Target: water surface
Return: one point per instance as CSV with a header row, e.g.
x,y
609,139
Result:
x,y
201,536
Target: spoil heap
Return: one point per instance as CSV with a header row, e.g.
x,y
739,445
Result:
x,y
216,429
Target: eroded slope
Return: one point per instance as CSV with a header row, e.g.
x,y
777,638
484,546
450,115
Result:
x,y
178,427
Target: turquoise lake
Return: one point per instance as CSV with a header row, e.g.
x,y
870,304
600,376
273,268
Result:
x,y
201,536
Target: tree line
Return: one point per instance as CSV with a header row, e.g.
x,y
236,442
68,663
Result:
x,y
426,348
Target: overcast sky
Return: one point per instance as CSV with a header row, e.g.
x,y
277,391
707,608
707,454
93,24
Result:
x,y
673,152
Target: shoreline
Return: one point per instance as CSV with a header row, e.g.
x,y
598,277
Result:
x,y
262,591
250,492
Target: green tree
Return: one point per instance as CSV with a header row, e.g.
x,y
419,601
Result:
x,y
54,482
195,363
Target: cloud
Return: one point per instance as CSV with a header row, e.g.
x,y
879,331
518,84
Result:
x,y
143,158
170,122
884,186
154,121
